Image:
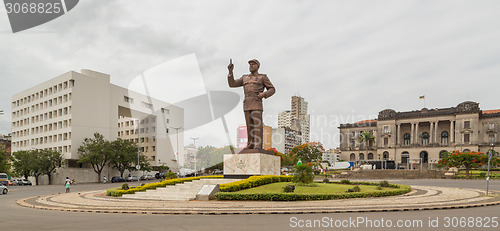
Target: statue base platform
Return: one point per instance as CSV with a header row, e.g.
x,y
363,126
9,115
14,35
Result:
x,y
242,166
255,150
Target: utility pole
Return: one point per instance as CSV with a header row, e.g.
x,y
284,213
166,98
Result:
x,y
195,154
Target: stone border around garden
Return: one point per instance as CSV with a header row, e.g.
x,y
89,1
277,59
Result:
x,y
421,198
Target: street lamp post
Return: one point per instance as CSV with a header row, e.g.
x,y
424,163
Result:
x,y
194,142
490,154
177,141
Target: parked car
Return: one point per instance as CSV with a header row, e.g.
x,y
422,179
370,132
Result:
x,y
117,179
132,178
147,177
3,189
160,175
26,182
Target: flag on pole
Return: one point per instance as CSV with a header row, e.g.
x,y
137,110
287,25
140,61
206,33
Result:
x,y
422,97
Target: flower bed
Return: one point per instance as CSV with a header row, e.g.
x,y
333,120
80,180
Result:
x,y
118,192
398,190
253,181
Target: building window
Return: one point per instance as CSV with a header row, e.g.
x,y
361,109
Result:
x,y
442,154
165,111
128,99
444,137
466,124
407,138
491,139
361,156
370,156
425,138
491,126
466,138
404,157
386,155
386,141
153,158
386,129
147,105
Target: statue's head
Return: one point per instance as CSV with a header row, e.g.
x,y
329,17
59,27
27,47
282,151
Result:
x,y
254,65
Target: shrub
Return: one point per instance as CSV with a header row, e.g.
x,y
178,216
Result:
x,y
303,174
401,189
384,183
289,188
482,174
345,182
170,175
326,181
356,189
125,186
379,187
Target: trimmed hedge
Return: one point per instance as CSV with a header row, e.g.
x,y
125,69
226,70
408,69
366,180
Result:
x,y
118,192
401,189
253,181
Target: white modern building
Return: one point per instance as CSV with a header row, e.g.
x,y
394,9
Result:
x,y
60,113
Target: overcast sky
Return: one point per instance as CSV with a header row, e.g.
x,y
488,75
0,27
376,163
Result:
x,y
348,59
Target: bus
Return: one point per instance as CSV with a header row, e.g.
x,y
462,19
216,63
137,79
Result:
x,y
4,178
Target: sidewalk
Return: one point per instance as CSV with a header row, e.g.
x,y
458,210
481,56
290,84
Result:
x,y
421,198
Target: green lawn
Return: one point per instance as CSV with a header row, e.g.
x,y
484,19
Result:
x,y
321,188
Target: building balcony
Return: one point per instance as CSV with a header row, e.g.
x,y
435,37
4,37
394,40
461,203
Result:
x,y
491,131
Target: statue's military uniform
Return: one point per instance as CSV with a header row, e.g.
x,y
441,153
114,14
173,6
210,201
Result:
x,y
252,86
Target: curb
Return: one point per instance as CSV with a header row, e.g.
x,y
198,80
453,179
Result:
x,y
23,203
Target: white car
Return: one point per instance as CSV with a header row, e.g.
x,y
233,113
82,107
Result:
x,y
3,189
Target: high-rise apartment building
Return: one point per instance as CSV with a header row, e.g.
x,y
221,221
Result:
x,y
61,112
297,118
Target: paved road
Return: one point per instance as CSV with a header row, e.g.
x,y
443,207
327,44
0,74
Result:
x,y
14,217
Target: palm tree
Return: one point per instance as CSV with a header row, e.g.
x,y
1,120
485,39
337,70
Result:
x,y
366,137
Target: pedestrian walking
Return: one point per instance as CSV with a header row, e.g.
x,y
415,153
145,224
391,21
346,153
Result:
x,y
68,183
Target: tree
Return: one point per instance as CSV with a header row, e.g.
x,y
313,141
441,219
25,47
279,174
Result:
x,y
308,152
366,137
4,162
286,160
468,159
27,163
97,152
49,161
302,174
123,155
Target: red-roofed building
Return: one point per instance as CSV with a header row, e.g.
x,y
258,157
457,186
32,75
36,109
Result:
x,y
409,138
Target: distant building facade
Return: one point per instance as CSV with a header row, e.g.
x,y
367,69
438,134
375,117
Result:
x,y
242,139
284,139
295,124
422,136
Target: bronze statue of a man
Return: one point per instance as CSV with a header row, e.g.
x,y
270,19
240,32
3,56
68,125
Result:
x,y
254,85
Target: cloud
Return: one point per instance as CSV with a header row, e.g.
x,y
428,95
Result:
x,y
348,59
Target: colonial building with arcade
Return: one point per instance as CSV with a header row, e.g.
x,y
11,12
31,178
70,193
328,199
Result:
x,y
421,136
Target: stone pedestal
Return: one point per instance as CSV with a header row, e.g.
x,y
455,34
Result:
x,y
246,165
